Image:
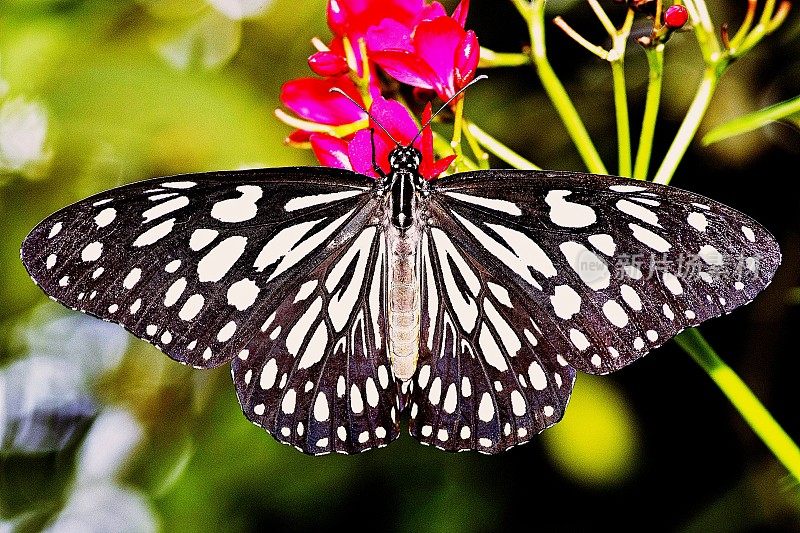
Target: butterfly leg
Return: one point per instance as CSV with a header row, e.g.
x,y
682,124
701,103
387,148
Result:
x,y
375,166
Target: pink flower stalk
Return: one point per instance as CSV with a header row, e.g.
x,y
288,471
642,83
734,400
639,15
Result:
x,y
440,55
356,154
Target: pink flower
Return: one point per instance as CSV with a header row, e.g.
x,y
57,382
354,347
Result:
x,y
312,100
356,154
439,55
353,18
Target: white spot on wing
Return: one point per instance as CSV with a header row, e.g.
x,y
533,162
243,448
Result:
x,y
303,202
217,262
269,374
132,278
566,302
710,255
191,307
491,351
537,376
502,206
604,243
592,270
55,230
289,401
698,221
105,217
92,252
672,283
155,233
627,188
321,409
179,184
238,209
569,214
631,297
315,349
201,238
164,208
174,292
243,294
486,408
749,234
226,332
517,403
638,211
650,239
615,313
301,328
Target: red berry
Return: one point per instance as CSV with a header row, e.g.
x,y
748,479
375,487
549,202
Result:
x,y
328,64
675,17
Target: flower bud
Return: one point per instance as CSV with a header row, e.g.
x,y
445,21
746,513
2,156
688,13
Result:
x,y
675,17
328,64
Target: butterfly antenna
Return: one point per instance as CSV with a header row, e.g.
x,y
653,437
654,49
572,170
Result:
x,y
338,90
447,103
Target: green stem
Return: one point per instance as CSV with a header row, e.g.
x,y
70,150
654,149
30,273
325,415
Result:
x,y
623,122
655,60
555,90
480,155
690,125
490,58
743,399
499,149
455,144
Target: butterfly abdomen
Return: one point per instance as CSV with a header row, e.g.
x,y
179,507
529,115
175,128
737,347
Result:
x,y
404,304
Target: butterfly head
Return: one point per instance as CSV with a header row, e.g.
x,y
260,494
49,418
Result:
x,y
405,158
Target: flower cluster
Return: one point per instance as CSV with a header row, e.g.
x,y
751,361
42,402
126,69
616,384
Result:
x,y
377,43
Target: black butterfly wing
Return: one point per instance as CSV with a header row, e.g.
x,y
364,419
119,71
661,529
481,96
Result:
x,y
198,264
488,378
317,375
607,269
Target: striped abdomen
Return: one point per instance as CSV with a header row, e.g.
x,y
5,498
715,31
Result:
x,y
404,305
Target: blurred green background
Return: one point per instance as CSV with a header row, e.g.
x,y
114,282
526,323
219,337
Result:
x,y
99,431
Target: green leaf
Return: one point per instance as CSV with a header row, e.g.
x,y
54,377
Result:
x,y
754,120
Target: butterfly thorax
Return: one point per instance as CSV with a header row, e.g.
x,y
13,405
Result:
x,y
403,241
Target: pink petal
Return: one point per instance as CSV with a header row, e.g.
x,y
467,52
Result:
x,y
437,41
330,151
312,100
394,117
355,17
440,166
360,152
389,35
460,12
406,68
337,17
435,10
328,64
298,137
466,60
426,142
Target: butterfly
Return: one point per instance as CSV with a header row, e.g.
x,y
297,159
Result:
x,y
343,302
